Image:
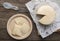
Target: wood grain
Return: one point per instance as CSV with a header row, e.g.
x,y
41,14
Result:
x,y
6,14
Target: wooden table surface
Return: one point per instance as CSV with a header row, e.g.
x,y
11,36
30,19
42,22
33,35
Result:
x,y
6,14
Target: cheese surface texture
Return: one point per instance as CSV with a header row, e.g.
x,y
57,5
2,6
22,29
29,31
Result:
x,y
48,14
16,31
21,26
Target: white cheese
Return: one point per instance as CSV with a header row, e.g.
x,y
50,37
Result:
x,y
21,27
16,31
49,14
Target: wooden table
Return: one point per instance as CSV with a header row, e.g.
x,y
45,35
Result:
x,y
6,14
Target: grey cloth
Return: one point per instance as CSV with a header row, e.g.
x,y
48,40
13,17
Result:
x,y
44,31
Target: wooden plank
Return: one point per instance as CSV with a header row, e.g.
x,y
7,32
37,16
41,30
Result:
x,y
6,14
